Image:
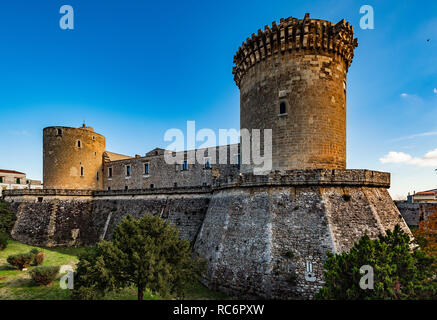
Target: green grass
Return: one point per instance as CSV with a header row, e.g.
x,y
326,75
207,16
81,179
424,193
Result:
x,y
18,285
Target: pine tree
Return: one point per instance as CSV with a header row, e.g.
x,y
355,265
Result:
x,y
146,253
400,272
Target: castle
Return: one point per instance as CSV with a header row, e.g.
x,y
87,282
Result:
x,y
262,235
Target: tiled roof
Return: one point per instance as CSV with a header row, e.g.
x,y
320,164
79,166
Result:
x,y
11,171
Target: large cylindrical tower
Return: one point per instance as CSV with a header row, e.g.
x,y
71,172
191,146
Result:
x,y
292,79
72,158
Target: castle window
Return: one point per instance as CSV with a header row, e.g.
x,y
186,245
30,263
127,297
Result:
x,y
59,132
109,172
97,176
40,199
126,188
175,184
185,165
127,171
81,171
282,108
152,186
78,144
109,188
18,180
1,179
146,168
94,138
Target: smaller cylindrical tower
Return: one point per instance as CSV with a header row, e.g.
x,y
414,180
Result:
x,y
292,79
72,158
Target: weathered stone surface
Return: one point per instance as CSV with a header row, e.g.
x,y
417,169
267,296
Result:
x,y
259,239
413,213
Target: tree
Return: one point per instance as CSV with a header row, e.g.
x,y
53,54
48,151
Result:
x,y
400,272
426,234
146,253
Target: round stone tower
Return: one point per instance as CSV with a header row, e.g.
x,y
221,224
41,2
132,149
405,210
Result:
x,y
292,79
72,158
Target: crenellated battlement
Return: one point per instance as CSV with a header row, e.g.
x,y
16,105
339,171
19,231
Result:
x,y
295,34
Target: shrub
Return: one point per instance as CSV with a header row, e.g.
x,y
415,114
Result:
x,y
34,251
7,218
38,259
21,260
3,240
44,275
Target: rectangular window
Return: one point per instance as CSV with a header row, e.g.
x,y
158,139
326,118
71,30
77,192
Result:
x,y
109,188
81,171
146,168
109,172
59,132
78,144
18,180
127,171
1,179
97,176
185,165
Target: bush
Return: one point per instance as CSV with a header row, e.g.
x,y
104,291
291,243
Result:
x,y
7,218
21,260
44,275
3,240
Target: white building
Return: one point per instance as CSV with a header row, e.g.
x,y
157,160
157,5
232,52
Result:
x,y
429,196
11,179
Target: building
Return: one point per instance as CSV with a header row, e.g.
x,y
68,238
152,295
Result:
x,y
264,235
429,196
13,180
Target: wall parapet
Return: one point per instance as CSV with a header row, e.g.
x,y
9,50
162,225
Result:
x,y
47,192
100,193
321,177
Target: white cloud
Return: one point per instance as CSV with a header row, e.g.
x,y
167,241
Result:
x,y
428,160
404,95
435,90
416,135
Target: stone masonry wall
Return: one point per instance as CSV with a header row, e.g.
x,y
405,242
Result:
x,y
58,220
413,213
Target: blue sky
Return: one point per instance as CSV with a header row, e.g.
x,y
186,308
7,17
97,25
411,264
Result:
x,y
134,68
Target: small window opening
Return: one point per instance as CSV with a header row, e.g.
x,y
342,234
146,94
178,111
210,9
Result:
x,y
81,171
59,132
282,108
152,186
146,168
127,171
126,188
40,199
78,144
110,172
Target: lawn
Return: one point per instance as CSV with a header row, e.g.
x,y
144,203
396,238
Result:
x,y
18,285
